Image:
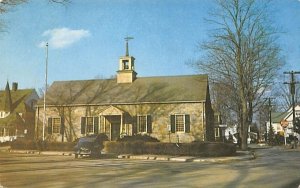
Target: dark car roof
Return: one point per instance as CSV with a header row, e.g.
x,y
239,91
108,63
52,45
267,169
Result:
x,y
88,138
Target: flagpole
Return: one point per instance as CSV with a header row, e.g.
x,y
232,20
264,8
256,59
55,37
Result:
x,y
46,77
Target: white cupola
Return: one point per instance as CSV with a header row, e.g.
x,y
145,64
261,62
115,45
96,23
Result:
x,y
126,72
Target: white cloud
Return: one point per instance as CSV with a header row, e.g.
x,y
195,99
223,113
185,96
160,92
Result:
x,y
63,37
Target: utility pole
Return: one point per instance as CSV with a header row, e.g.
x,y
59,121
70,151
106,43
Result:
x,y
270,120
292,91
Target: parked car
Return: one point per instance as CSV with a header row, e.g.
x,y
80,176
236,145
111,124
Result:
x,y
90,145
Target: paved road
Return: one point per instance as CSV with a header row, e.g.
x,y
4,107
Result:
x,y
273,168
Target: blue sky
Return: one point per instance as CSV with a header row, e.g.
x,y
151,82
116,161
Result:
x,y
86,38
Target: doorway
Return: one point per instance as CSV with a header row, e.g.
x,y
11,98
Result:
x,y
115,126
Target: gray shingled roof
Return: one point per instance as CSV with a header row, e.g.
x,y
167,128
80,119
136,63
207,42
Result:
x,y
277,117
191,88
18,97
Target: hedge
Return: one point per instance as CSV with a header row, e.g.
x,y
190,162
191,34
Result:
x,y
156,148
138,137
23,144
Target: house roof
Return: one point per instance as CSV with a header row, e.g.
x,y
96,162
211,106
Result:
x,y
191,88
12,120
17,104
277,117
18,98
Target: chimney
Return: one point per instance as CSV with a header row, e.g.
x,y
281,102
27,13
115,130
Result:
x,y
14,86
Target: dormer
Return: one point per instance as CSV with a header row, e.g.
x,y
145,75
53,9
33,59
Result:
x,y
126,72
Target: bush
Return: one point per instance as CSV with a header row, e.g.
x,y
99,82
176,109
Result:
x,y
23,144
138,137
192,149
60,146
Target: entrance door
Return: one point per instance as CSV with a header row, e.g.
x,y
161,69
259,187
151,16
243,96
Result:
x,y
115,125
115,131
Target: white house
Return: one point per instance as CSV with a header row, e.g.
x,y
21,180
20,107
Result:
x,y
283,122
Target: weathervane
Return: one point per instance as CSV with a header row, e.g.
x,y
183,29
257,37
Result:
x,y
127,39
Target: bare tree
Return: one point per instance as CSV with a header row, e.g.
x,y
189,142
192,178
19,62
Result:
x,y
242,55
7,5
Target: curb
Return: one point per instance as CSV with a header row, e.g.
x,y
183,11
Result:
x,y
41,152
242,157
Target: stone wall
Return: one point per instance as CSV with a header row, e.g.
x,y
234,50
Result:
x,y
160,114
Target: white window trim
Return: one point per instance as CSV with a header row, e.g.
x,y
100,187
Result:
x,y
183,123
86,125
217,132
56,117
146,123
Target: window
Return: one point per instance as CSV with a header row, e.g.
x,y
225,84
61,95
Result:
x,y
89,125
12,132
180,123
217,132
55,125
144,124
3,114
2,132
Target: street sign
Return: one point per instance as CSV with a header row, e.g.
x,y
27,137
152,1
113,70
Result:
x,y
284,123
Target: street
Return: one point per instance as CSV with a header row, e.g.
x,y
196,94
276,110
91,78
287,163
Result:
x,y
273,167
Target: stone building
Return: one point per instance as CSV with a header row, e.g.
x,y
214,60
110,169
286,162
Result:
x,y
170,108
17,113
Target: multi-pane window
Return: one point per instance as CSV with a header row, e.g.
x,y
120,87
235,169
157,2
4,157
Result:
x,y
54,125
89,125
144,123
180,123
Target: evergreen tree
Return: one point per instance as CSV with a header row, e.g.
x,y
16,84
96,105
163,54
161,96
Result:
x,y
271,136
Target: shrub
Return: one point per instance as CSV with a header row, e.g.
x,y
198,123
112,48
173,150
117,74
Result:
x,y
23,144
192,149
138,137
60,146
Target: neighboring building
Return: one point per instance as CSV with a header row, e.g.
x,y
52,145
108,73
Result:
x,y
17,112
281,118
219,127
170,108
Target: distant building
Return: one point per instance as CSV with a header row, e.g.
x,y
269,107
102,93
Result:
x,y
281,118
17,112
170,108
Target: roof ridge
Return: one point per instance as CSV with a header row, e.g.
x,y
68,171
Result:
x,y
144,77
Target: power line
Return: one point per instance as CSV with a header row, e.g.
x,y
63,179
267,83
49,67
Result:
x,y
292,84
